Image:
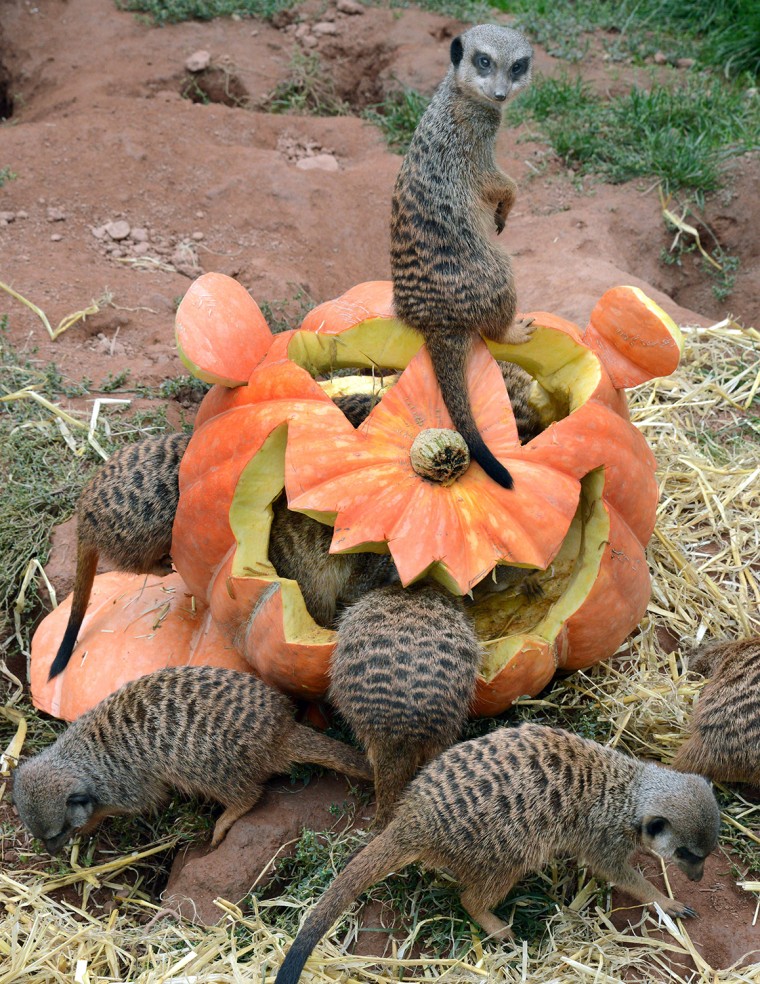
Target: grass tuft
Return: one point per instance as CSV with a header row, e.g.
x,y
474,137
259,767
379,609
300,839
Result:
x,y
173,11
398,117
681,135
309,90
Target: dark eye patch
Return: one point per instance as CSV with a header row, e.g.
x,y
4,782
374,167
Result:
x,y
483,62
520,67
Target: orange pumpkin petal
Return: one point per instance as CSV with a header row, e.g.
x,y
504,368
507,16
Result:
x,y
221,333
636,340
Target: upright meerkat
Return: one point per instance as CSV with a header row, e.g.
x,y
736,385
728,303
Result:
x,y
450,282
126,512
201,730
403,676
493,809
724,731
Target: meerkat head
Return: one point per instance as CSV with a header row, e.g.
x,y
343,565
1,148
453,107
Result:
x,y
679,819
51,801
491,62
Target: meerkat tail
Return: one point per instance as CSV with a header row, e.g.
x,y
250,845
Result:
x,y
374,862
87,565
312,747
449,357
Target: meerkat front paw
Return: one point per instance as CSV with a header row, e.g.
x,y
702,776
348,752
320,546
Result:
x,y
677,909
500,216
521,330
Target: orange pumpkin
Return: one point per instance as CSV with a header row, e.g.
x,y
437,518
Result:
x,y
583,505
281,430
134,624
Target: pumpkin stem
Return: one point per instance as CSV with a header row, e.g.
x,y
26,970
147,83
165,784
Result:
x,y
440,455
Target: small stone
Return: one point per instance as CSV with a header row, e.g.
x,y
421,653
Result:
x,y
200,215
660,58
7,217
301,31
140,249
309,41
56,237
685,62
197,236
320,162
99,232
56,215
324,27
118,230
349,7
199,61
22,215
138,235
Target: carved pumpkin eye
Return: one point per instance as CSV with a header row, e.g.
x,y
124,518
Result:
x,y
484,62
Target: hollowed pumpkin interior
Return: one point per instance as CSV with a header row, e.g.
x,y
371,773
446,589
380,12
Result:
x,y
502,619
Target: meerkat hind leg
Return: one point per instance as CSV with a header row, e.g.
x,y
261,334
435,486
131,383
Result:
x,y
233,813
479,910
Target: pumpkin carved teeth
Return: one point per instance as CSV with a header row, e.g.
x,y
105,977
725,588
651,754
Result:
x,y
440,455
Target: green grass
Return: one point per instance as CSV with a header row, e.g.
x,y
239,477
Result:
x,y
682,135
285,313
174,11
398,117
723,35
309,90
6,175
41,476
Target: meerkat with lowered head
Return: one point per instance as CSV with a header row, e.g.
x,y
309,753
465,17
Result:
x,y
724,731
496,808
200,730
450,282
299,548
125,512
403,676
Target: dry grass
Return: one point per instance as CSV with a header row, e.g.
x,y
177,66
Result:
x,y
704,425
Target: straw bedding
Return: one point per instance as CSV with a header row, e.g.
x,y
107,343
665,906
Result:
x,y
704,426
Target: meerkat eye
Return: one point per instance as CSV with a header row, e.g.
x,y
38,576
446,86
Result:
x,y
484,62
519,68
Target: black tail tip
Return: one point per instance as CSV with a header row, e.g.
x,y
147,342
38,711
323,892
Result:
x,y
492,466
65,650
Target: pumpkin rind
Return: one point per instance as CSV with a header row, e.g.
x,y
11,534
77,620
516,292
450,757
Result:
x,y
221,333
134,625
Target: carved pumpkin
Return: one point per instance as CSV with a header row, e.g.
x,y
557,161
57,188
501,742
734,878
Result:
x,y
583,505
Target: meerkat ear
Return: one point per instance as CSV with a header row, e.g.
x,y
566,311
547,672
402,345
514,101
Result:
x,y
457,50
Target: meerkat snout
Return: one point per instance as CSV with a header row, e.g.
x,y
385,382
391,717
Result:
x,y
53,805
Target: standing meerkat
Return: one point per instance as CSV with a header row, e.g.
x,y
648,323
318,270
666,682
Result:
x,y
126,512
724,731
403,676
493,809
201,730
450,282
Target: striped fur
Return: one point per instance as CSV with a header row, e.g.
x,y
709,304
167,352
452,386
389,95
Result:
x,y
493,809
450,282
403,676
200,730
724,731
126,513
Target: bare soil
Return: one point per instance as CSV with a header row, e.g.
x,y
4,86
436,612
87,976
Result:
x,y
99,131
